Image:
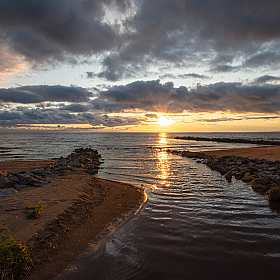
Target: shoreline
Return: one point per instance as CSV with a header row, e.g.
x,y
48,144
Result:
x,y
258,166
80,210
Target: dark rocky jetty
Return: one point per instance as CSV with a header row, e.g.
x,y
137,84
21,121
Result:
x,y
82,159
230,140
263,175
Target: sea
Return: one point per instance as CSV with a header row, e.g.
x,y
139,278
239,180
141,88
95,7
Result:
x,y
194,224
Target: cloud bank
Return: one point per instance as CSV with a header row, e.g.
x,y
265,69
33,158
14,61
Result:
x,y
57,104
157,97
132,36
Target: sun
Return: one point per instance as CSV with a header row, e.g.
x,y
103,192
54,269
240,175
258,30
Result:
x,y
163,121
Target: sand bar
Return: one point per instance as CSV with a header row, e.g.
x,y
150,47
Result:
x,y
78,209
268,153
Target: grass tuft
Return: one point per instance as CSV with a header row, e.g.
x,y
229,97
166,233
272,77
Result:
x,y
15,257
33,212
274,194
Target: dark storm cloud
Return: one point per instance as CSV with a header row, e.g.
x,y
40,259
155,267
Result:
x,y
38,116
223,68
235,97
236,119
184,76
37,94
6,115
263,59
149,96
187,32
144,96
107,106
157,97
90,75
26,116
177,33
75,107
110,121
266,79
49,29
152,116
217,120
262,118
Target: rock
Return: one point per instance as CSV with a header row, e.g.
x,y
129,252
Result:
x,y
5,183
7,192
12,208
39,178
77,169
39,172
247,177
18,187
14,179
87,159
245,161
239,175
260,185
228,176
277,181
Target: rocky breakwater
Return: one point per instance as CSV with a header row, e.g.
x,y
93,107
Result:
x,y
82,159
231,140
263,175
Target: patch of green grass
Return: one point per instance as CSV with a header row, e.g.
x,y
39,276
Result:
x,y
274,194
33,212
15,257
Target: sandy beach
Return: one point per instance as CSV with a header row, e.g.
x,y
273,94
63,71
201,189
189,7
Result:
x,y
79,210
268,153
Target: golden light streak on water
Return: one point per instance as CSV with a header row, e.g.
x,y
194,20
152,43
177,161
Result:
x,y
163,160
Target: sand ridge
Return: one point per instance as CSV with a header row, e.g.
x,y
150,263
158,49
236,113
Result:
x,y
78,209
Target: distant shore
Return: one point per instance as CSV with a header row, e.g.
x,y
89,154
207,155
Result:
x,y
79,210
231,140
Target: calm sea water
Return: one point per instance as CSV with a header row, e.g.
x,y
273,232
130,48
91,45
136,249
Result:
x,y
194,225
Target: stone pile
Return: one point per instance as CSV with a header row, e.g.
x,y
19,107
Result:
x,y
262,174
82,159
231,140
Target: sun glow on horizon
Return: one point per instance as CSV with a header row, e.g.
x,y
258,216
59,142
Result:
x,y
164,121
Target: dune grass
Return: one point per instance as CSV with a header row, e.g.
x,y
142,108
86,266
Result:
x,y
33,212
15,257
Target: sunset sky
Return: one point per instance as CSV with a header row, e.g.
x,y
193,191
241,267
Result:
x,y
142,65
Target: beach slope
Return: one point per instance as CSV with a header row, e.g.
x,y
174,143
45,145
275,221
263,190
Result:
x,y
79,211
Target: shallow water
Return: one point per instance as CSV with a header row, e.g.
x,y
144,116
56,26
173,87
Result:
x,y
194,225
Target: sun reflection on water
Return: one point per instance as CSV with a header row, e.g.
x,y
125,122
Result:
x,y
163,139
163,161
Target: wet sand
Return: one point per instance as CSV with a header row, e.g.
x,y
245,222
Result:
x,y
268,153
79,211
